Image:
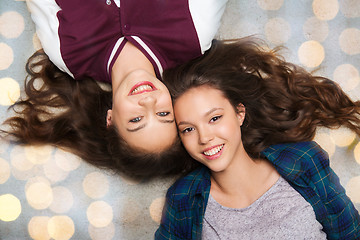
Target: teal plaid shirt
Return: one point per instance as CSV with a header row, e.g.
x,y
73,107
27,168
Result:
x,y
304,165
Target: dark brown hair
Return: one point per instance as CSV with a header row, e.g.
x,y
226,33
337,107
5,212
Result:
x,y
283,102
71,114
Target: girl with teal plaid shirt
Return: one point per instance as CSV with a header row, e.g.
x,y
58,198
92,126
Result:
x,y
248,117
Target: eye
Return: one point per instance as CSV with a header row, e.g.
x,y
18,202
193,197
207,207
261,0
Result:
x,y
135,120
187,130
162,114
214,119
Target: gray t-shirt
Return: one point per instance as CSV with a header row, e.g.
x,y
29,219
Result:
x,y
280,213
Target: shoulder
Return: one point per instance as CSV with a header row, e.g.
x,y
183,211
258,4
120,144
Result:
x,y
298,157
305,151
194,183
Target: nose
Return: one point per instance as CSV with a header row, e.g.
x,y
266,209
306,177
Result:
x,y
147,101
205,136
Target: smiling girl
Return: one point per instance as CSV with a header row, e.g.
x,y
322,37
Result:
x,y
247,117
129,126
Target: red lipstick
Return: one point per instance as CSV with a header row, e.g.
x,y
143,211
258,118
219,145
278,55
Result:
x,y
153,88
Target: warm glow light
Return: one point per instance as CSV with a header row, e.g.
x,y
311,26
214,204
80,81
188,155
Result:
x,y
38,154
324,140
63,200
11,24
53,172
39,195
342,137
325,9
4,171
6,57
311,53
347,76
36,42
352,189
349,41
156,209
9,90
357,153
66,161
19,160
95,185
10,207
61,227
99,214
37,228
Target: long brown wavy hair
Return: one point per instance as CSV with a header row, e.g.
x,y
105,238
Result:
x,y
284,103
71,114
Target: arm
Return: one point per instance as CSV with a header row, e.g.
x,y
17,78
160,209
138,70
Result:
x,y
342,220
170,226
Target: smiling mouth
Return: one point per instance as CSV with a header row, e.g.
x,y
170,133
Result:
x,y
213,151
141,88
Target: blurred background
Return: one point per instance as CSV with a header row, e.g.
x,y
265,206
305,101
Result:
x,y
46,193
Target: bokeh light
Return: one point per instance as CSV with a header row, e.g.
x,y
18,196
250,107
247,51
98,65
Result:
x,y
11,24
352,189
349,41
9,91
61,227
156,208
99,214
4,171
311,54
6,56
95,185
325,9
37,228
10,207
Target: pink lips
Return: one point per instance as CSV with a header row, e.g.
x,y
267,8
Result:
x,y
140,84
215,156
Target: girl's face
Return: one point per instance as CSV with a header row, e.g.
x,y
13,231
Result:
x,y
209,127
142,112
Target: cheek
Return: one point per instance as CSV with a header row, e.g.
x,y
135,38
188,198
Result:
x,y
123,111
189,144
165,100
231,130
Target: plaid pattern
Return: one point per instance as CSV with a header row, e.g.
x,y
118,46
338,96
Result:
x,y
304,165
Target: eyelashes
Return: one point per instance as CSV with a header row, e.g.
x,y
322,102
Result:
x,y
190,129
138,119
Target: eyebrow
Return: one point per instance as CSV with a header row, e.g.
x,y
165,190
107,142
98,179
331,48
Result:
x,y
206,114
144,125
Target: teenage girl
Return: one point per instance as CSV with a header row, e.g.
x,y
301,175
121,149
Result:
x,y
247,118
127,44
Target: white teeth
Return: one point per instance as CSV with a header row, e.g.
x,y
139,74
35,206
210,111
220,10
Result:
x,y
213,151
142,88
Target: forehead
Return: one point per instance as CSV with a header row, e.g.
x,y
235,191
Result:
x,y
199,100
200,96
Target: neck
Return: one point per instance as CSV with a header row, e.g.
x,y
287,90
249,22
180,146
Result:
x,y
129,60
243,182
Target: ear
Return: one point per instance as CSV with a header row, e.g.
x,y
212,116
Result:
x,y
240,112
109,118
